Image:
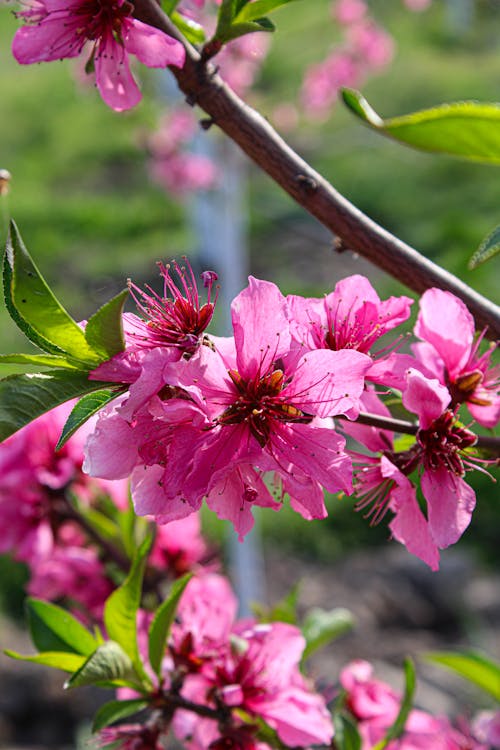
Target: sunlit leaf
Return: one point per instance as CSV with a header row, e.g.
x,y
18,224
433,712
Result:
x,y
38,360
488,248
260,8
23,398
193,32
83,410
107,663
66,662
36,309
162,622
104,330
120,610
116,710
469,130
474,667
54,629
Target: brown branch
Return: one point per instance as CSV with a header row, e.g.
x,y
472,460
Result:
x,y
488,442
256,137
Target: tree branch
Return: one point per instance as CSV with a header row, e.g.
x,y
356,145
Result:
x,y
256,137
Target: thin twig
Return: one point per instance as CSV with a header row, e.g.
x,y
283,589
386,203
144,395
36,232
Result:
x,y
257,138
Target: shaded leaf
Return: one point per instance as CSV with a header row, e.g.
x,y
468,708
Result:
x,y
488,248
473,667
83,410
346,733
162,622
320,627
54,629
35,305
104,330
23,398
116,710
397,729
57,659
107,663
469,130
120,610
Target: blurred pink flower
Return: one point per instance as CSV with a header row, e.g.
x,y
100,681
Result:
x,y
348,12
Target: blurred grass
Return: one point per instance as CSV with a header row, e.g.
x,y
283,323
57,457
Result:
x,y
91,218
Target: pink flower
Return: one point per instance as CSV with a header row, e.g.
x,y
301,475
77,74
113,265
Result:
x,y
130,737
61,29
179,546
254,668
440,452
486,728
451,354
352,317
347,12
417,5
232,423
375,707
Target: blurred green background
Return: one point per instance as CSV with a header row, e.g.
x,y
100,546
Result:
x,y
91,217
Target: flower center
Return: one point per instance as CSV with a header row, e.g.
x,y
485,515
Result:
x,y
259,403
442,442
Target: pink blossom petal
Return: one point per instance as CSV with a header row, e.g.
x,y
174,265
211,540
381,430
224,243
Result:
x,y
149,497
261,329
410,526
450,503
110,452
445,322
44,42
327,383
425,397
153,47
114,80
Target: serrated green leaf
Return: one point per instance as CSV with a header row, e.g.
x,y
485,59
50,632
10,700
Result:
x,y
104,330
488,248
116,710
397,729
54,629
107,663
474,667
120,610
162,622
39,360
36,305
346,733
468,130
83,410
57,659
260,8
320,627
23,398
193,32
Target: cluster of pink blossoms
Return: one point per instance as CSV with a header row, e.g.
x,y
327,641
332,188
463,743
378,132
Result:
x,y
106,32
208,417
237,669
375,707
39,527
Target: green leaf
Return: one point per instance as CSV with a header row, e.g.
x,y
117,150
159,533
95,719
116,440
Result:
x,y
260,8
116,710
320,627
346,734
104,330
26,397
248,27
83,410
39,360
57,659
54,629
473,667
107,663
193,32
162,622
488,248
227,10
36,306
283,611
469,130
120,610
170,5
398,727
